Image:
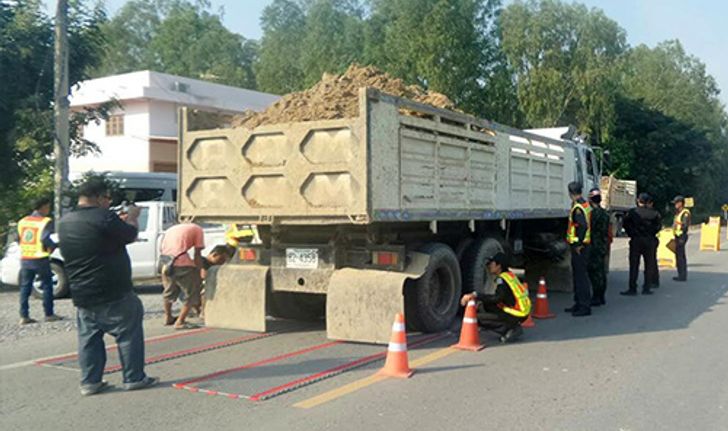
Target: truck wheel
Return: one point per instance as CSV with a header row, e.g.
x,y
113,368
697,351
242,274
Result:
x,y
297,306
60,283
475,271
432,301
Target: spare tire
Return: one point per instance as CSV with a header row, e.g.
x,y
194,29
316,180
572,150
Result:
x,y
432,301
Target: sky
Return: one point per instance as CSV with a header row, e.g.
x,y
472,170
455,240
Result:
x,y
700,25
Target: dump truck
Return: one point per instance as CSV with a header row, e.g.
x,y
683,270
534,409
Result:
x,y
398,208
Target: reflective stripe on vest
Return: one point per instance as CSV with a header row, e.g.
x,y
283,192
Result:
x,y
30,234
571,236
677,225
522,308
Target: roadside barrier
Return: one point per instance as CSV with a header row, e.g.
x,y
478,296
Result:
x,y
542,302
710,234
469,335
665,256
397,363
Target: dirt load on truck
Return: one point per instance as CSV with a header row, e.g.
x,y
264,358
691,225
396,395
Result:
x,y
335,96
369,203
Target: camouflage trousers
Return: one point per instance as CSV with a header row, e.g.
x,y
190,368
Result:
x,y
597,273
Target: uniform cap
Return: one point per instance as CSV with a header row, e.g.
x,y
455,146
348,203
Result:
x,y
678,198
595,192
644,197
500,258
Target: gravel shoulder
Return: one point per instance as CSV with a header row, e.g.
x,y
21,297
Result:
x,y
11,331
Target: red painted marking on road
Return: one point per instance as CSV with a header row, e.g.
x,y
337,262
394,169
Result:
x,y
194,350
262,362
331,371
111,347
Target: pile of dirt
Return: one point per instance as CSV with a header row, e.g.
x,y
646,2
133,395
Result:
x,y
336,96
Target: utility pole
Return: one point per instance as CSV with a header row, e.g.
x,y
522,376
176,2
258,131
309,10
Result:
x,y
60,105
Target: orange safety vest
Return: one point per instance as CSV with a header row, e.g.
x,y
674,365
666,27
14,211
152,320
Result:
x,y
30,233
522,308
677,226
571,236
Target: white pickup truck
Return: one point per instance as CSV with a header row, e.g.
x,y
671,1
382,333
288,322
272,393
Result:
x,y
154,219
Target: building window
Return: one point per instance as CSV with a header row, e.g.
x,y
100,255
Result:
x,y
115,125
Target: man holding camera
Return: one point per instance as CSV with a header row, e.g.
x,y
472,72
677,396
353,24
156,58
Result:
x,y
93,243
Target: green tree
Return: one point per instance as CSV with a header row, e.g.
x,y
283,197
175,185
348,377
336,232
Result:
x,y
333,38
26,116
668,80
279,68
660,152
177,37
566,60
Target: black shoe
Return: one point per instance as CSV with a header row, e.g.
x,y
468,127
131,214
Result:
x,y
582,312
629,292
679,279
512,335
570,309
596,302
647,292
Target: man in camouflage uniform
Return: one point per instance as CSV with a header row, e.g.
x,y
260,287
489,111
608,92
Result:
x,y
599,248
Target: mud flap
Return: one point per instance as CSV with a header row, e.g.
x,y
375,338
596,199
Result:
x,y
235,297
361,303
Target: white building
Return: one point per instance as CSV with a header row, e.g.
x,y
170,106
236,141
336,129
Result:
x,y
142,135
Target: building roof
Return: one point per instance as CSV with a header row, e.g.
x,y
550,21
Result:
x,y
149,85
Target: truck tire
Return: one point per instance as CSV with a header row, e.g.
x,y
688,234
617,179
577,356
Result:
x,y
297,306
432,301
60,283
474,268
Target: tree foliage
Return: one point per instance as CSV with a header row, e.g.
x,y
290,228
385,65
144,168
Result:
x,y
177,37
26,115
566,60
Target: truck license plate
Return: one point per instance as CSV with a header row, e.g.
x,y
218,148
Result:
x,y
302,258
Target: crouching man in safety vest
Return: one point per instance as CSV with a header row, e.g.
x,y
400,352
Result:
x,y
503,311
36,246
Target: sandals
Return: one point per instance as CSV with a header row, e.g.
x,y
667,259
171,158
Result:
x,y
185,326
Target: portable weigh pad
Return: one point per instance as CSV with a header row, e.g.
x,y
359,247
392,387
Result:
x,y
267,378
167,347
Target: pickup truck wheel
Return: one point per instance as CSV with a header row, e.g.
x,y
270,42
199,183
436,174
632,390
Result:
x,y
297,306
475,271
60,283
432,301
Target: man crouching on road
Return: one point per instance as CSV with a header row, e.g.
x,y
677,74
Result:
x,y
503,311
93,243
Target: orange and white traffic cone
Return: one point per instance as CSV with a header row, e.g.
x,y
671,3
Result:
x,y
469,335
397,363
528,323
542,302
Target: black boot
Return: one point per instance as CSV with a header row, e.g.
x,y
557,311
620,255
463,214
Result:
x,y
629,292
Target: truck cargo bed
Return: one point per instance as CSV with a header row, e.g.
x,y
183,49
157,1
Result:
x,y
397,161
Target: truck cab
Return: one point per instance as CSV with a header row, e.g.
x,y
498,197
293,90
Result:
x,y
587,168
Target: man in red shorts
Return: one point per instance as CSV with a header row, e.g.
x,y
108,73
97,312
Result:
x,y
185,273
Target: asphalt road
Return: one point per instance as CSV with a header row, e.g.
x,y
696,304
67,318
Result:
x,y
640,363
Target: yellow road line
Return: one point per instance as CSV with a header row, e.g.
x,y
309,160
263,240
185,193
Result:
x,y
367,381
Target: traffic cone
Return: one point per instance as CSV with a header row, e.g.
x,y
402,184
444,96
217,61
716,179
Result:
x,y
528,323
542,302
397,364
469,335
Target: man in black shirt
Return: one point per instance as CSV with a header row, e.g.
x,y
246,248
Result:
x,y
93,242
642,225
